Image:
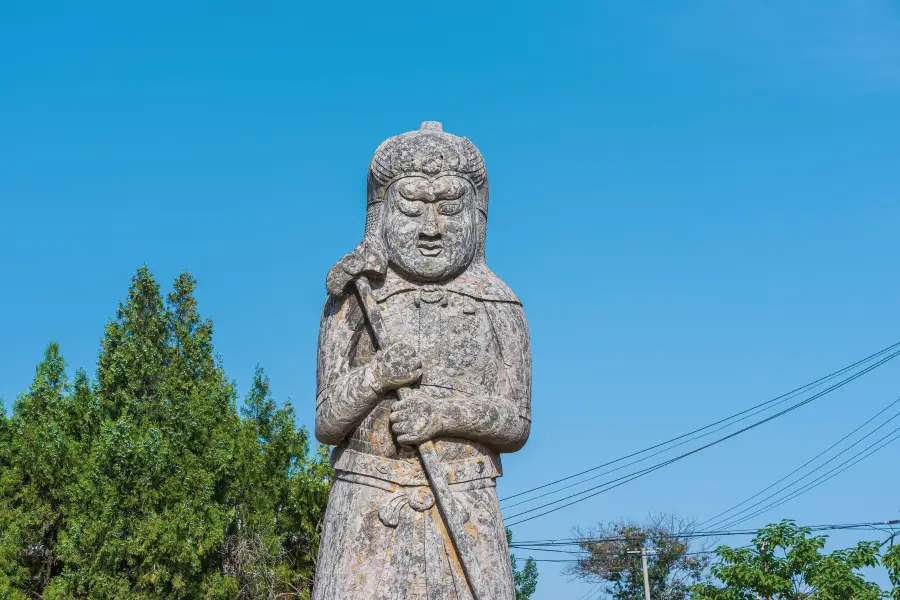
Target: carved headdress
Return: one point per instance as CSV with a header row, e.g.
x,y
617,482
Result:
x,y
429,152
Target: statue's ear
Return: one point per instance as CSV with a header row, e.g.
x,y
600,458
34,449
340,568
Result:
x,y
375,254
484,195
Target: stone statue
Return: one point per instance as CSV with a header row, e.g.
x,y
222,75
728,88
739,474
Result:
x,y
455,381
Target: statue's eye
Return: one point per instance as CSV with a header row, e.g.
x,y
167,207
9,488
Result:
x,y
410,208
449,207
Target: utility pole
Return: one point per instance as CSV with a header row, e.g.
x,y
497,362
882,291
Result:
x,y
646,574
644,554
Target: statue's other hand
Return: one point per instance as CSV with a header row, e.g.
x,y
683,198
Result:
x,y
368,258
415,419
396,366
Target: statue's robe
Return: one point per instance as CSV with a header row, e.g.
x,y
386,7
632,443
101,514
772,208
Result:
x,y
384,539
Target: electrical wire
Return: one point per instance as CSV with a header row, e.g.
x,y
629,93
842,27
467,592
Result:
x,y
594,555
639,460
862,455
640,473
866,525
717,521
577,560
778,400
590,592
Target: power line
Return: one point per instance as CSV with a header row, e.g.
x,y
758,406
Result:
x,y
640,473
863,454
590,592
548,560
599,594
594,555
577,560
773,401
808,462
598,556
642,459
867,525
538,549
716,521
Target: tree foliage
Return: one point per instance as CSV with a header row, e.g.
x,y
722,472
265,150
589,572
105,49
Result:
x,y
148,482
525,578
280,493
611,555
36,484
891,561
786,562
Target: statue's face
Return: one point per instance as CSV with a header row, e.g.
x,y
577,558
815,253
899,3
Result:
x,y
429,229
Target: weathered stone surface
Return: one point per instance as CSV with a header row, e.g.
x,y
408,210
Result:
x,y
460,352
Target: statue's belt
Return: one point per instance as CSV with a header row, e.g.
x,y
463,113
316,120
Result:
x,y
408,472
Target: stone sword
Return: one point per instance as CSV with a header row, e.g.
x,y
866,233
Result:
x,y
454,516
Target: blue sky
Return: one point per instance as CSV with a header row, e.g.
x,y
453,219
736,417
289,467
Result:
x,y
696,201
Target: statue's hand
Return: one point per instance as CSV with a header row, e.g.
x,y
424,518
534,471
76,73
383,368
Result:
x,y
396,366
416,419
368,258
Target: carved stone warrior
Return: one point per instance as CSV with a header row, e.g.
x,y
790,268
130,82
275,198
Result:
x,y
460,349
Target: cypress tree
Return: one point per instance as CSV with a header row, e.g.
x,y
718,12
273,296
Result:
x,y
5,440
146,483
35,485
84,412
280,498
153,513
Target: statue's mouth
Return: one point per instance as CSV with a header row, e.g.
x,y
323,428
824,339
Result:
x,y
430,248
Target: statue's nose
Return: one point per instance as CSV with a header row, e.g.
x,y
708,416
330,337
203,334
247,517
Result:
x,y
430,225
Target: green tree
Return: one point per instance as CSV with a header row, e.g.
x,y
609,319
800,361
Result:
x,y
13,574
891,561
152,506
281,494
147,483
786,562
8,544
42,459
525,578
5,440
83,413
611,555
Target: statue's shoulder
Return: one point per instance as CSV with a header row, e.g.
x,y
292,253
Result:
x,y
341,312
479,282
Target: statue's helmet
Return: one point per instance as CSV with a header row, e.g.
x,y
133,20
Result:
x,y
430,152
